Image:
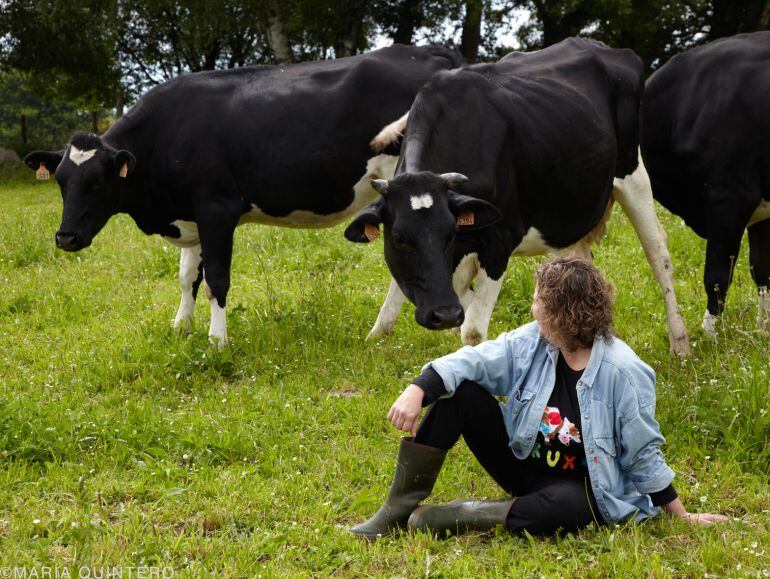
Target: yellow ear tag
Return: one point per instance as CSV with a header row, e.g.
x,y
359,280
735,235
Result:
x,y
124,170
371,232
42,173
467,218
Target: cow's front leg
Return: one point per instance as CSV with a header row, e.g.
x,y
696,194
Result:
x,y
216,233
386,319
634,194
190,277
462,278
759,257
479,312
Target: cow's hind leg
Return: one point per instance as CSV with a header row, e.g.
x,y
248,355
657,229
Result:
x,y
759,256
386,319
634,194
190,277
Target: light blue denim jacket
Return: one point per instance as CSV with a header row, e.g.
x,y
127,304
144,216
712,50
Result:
x,y
616,394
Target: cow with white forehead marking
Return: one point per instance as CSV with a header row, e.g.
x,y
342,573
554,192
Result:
x,y
539,145
206,152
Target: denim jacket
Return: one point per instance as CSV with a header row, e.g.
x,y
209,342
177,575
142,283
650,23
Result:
x,y
616,394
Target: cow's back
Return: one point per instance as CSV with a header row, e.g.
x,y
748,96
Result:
x,y
278,134
592,68
705,123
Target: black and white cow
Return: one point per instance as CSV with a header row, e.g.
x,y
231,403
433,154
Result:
x,y
523,157
706,142
203,153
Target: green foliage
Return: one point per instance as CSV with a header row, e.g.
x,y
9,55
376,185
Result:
x,y
122,443
48,124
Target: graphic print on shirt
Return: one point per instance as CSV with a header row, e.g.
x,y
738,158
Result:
x,y
560,443
554,425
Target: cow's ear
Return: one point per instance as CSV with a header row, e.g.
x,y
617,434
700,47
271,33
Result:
x,y
50,159
366,226
124,162
472,213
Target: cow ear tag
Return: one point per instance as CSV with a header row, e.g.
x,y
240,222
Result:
x,y
42,173
124,170
371,232
467,218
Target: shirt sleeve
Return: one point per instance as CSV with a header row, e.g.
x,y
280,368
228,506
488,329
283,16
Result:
x,y
432,384
490,364
664,497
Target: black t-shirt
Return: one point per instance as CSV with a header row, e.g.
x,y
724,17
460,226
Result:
x,y
558,449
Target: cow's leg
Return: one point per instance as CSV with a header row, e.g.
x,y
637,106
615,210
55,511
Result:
x,y
479,312
462,279
216,233
386,319
634,194
190,277
759,257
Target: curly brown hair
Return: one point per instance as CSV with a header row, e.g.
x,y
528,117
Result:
x,y
574,302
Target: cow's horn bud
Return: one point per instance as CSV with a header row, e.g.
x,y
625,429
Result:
x,y
452,179
381,186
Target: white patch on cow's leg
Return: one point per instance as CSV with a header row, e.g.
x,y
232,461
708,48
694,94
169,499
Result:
x,y
763,309
218,327
389,134
386,319
634,193
709,324
189,264
462,278
477,315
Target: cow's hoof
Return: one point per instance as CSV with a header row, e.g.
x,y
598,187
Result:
x,y
380,329
183,323
219,342
709,324
472,337
681,346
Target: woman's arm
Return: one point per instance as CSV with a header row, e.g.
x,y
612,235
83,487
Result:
x,y
677,509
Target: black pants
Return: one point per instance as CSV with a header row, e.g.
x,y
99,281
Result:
x,y
545,504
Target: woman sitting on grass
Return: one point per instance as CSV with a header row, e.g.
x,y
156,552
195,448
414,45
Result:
x,y
576,442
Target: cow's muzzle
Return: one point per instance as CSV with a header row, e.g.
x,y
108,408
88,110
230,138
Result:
x,y
69,241
443,318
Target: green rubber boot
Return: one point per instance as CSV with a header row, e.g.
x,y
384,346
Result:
x,y
460,516
417,469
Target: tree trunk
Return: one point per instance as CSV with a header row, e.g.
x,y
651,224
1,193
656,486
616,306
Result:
x,y
276,34
471,36
119,104
764,18
348,36
408,20
95,122
24,138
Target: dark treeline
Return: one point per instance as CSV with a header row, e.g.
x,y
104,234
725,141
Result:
x,y
60,58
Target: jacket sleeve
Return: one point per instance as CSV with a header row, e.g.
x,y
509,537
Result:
x,y
490,364
640,438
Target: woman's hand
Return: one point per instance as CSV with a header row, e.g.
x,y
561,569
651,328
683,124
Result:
x,y
405,412
676,508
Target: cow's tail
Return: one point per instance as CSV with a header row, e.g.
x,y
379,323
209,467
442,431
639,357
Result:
x,y
389,135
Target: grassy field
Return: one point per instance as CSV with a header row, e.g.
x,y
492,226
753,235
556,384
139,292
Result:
x,y
123,444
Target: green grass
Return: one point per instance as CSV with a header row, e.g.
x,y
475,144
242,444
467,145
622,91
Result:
x,y
123,444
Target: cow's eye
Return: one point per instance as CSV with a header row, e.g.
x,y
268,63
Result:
x,y
400,241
